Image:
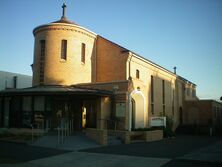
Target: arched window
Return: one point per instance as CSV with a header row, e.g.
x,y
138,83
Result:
x,y
137,74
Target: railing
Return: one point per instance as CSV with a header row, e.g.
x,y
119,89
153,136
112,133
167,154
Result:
x,y
63,131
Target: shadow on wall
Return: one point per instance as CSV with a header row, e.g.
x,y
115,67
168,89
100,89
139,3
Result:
x,y
53,81
161,96
93,63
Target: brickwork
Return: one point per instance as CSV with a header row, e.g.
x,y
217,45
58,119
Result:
x,y
153,135
100,136
108,66
203,112
59,71
110,61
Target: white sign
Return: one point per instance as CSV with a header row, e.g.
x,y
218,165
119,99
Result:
x,y
158,121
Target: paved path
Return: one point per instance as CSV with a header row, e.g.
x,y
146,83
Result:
x,y
166,148
74,142
183,151
210,154
23,152
81,159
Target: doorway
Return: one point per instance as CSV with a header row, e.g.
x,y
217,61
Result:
x,y
133,113
138,109
89,114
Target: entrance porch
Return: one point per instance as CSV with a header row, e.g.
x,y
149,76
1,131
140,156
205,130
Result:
x,y
52,107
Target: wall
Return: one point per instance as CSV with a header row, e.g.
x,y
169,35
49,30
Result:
x,y
143,83
7,80
56,70
98,135
103,112
110,61
209,112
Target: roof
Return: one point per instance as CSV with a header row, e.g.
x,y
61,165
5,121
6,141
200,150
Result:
x,y
55,90
148,61
65,20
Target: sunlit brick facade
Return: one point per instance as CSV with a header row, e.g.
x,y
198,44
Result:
x,y
85,80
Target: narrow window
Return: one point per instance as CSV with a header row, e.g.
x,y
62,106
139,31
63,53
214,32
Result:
x,y
137,74
188,92
164,112
15,82
42,61
152,95
83,53
152,90
163,90
173,104
194,93
152,108
64,49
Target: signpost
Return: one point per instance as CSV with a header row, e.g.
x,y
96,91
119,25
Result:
x,y
158,121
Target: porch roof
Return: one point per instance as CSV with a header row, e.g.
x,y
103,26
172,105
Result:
x,y
55,90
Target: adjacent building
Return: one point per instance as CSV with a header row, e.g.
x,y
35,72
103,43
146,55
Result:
x,y
9,80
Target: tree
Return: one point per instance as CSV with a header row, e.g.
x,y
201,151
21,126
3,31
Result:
x,y
221,98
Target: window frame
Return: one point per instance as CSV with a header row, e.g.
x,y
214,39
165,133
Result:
x,y
64,45
83,53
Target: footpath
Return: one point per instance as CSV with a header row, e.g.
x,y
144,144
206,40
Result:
x,y
184,151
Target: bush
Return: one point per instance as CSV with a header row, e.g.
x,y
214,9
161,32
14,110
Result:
x,y
167,131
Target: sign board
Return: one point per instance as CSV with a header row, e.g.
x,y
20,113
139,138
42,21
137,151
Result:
x,y
120,109
158,121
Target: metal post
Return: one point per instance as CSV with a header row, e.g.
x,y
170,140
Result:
x,y
32,134
62,134
67,125
58,136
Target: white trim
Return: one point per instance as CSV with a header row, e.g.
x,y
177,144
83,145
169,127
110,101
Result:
x,y
63,24
130,107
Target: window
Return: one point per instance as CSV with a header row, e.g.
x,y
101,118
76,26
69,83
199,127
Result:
x,y
193,93
152,90
42,61
137,74
64,49
83,53
164,112
173,104
152,95
39,103
188,92
27,111
15,82
163,90
152,108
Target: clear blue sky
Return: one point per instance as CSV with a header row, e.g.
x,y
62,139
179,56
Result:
x,y
182,33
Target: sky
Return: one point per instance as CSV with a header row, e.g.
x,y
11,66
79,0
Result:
x,y
182,33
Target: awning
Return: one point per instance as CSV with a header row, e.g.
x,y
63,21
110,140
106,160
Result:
x,y
55,90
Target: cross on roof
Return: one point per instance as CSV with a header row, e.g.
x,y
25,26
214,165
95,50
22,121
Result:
x,y
64,10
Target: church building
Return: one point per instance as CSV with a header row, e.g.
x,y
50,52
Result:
x,y
83,80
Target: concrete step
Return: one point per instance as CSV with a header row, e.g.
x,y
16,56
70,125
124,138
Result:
x,y
72,142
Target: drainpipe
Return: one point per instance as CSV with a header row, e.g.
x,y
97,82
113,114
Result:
x,y
129,93
95,59
130,111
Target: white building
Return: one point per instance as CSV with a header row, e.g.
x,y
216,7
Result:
x,y
9,80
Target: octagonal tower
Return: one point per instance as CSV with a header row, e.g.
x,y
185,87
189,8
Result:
x,y
64,53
